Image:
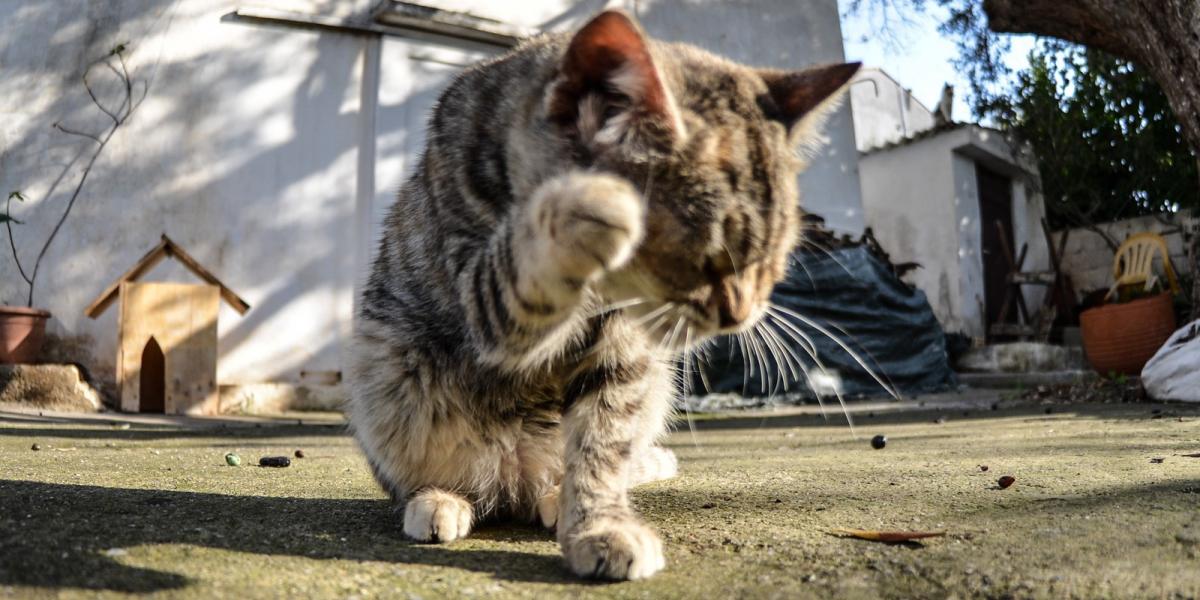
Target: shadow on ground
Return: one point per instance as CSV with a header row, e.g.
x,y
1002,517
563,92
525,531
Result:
x,y
57,536
119,429
906,413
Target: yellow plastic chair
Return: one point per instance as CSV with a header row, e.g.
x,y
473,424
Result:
x,y
1134,263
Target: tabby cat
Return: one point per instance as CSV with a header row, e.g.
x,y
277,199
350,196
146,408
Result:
x,y
588,207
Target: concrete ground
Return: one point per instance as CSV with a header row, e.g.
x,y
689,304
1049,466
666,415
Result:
x,y
139,505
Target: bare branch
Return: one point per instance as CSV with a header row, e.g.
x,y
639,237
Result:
x,y
128,105
12,243
96,100
64,129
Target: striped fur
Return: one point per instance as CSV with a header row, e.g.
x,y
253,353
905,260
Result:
x,y
587,206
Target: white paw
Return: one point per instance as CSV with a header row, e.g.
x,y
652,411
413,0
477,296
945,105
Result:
x,y
547,510
593,222
613,549
652,465
437,516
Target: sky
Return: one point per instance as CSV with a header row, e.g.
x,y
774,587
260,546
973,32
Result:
x,y
916,54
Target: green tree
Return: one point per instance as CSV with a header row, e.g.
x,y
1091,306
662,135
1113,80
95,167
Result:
x,y
1107,143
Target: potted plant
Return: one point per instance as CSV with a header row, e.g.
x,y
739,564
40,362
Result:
x,y
23,328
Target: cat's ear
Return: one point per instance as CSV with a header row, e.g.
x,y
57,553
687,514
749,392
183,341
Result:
x,y
609,90
802,100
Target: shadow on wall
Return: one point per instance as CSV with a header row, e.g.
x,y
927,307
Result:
x,y
271,213
64,530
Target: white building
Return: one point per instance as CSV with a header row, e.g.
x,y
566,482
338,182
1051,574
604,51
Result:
x,y
273,137
932,195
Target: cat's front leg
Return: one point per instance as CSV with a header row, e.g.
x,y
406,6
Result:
x,y
532,276
617,407
579,226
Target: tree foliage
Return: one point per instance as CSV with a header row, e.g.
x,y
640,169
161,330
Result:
x,y
1107,143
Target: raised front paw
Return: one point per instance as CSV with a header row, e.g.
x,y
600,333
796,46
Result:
x,y
591,222
617,548
437,516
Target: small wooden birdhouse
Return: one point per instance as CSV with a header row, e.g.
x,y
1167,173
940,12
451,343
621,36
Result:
x,y
167,336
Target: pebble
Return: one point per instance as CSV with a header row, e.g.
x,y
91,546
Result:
x,y
35,447
233,460
1006,481
1157,461
983,468
299,454
878,442
274,461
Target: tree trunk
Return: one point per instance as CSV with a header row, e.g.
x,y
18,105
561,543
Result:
x,y
1161,35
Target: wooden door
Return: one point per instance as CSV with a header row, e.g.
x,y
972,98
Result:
x,y
152,384
995,205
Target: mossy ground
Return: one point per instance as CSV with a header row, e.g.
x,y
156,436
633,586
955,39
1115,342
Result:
x,y
103,510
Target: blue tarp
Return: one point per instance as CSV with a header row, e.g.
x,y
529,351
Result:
x,y
855,297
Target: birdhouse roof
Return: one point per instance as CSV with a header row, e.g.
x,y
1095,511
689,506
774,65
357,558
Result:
x,y
165,248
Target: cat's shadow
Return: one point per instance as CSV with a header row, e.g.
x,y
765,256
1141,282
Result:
x,y
73,536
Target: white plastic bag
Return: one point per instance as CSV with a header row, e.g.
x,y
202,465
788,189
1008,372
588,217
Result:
x,y
1174,371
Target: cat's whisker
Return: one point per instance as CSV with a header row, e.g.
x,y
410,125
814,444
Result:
x,y
858,359
615,306
747,366
809,348
702,355
871,357
732,261
675,333
829,253
796,334
663,346
764,374
687,386
772,355
652,314
799,263
783,352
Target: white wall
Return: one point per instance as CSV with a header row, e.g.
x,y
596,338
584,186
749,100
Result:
x,y
910,196
244,151
922,201
271,152
885,112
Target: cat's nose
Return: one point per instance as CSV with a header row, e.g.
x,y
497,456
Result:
x,y
732,310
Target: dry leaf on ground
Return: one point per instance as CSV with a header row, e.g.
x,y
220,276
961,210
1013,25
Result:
x,y
887,536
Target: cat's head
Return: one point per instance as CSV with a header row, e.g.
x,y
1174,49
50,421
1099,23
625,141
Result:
x,y
715,147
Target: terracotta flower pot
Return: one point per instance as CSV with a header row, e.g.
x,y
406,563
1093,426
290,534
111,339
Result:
x,y
22,332
1120,338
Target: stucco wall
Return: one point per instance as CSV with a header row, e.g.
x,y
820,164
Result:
x,y
271,152
244,151
884,111
922,201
